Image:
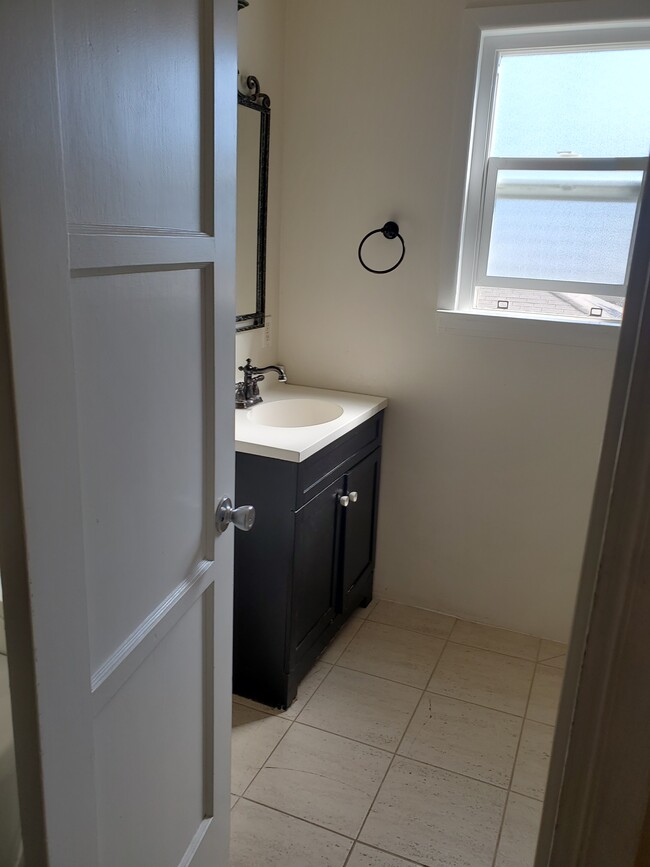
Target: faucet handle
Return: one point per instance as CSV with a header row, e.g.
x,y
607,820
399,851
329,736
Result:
x,y
240,394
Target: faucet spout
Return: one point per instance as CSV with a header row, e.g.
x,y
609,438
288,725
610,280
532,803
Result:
x,y
278,368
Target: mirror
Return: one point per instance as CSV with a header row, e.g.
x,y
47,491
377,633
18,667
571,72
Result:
x,y
253,123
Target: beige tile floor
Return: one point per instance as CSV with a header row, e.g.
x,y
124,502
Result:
x,y
416,739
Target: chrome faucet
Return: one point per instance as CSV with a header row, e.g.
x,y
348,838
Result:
x,y
247,392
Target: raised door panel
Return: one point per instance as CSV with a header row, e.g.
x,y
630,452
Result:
x,y
132,87
315,567
153,763
141,373
360,523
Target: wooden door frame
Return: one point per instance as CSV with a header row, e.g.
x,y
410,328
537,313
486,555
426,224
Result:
x,y
15,588
597,797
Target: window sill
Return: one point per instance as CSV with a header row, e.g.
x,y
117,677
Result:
x,y
563,332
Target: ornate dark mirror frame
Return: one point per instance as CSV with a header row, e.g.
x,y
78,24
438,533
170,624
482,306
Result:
x,y
261,103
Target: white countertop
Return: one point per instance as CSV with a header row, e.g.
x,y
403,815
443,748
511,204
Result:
x,y
299,443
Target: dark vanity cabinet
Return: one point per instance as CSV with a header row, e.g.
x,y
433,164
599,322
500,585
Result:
x,y
307,563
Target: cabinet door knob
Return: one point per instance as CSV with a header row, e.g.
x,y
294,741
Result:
x,y
243,517
354,496
344,500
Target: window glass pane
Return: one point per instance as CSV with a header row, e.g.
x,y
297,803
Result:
x,y
591,103
569,226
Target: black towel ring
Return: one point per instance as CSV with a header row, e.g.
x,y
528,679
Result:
x,y
389,230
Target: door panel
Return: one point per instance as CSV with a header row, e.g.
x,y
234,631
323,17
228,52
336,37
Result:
x,y
132,78
141,376
117,195
150,754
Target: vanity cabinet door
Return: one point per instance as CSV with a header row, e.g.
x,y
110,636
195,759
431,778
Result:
x,y
360,528
315,572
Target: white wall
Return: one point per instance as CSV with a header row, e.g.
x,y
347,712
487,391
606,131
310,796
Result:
x,y
491,445
261,46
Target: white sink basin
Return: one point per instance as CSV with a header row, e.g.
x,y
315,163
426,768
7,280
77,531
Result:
x,y
299,412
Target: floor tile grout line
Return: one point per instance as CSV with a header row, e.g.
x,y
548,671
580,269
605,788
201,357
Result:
x,y
338,634
315,728
399,629
388,679
444,638
349,855
412,629
463,643
458,619
512,774
561,668
276,712
299,819
490,650
392,761
531,718
345,737
454,773
447,639
433,692
291,723
314,692
390,765
375,848
375,676
346,837
477,704
259,770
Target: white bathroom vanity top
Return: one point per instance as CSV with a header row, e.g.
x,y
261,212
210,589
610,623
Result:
x,y
299,443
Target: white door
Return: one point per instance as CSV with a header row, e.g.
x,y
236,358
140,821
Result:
x,y
117,200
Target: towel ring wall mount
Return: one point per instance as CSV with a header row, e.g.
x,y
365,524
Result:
x,y
389,230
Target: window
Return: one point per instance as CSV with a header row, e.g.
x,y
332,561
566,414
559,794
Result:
x,y
561,134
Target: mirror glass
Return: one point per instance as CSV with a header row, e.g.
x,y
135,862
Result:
x,y
253,118
248,160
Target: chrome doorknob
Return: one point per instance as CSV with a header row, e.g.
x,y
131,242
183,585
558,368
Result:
x,y
344,500
354,496
243,517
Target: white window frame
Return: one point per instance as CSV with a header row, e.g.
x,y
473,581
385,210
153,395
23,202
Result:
x,y
487,33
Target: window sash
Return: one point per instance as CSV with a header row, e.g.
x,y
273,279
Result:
x,y
572,164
